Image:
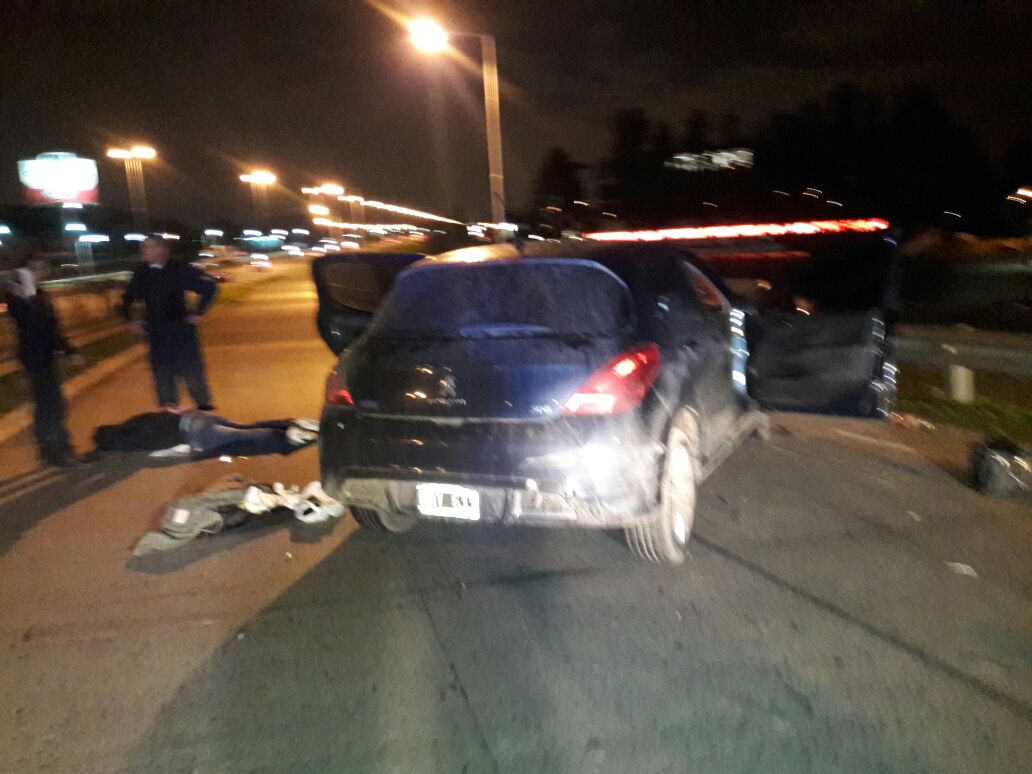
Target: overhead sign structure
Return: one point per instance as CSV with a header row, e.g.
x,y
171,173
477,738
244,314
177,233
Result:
x,y
58,178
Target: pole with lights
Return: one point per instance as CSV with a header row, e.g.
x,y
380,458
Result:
x,y
430,37
259,180
133,158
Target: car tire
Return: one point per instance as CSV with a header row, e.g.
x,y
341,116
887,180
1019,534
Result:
x,y
371,518
664,537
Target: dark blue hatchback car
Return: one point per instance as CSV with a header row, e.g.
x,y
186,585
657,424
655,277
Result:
x,y
567,384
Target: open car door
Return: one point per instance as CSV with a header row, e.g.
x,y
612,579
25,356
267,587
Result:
x,y
832,363
350,288
820,309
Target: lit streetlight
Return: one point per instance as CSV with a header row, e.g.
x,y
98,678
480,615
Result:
x,y
133,159
259,180
430,37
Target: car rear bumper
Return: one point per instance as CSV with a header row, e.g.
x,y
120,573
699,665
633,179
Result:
x,y
600,474
510,505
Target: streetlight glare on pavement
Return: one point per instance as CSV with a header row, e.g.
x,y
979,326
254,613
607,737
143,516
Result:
x,y
428,36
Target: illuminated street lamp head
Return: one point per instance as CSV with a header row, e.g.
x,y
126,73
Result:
x,y
428,36
260,177
135,152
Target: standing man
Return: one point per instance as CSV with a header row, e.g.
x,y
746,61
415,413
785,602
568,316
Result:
x,y
39,339
169,322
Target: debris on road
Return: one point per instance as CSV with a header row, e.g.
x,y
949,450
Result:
x,y
1002,469
914,516
910,421
962,569
234,501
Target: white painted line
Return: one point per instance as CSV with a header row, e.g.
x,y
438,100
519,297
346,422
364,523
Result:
x,y
876,442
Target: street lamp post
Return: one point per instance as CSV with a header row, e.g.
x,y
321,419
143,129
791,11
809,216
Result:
x,y
133,158
428,36
259,180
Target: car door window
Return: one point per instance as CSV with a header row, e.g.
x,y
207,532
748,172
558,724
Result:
x,y
707,294
665,296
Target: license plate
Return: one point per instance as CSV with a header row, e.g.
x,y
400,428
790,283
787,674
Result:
x,y
448,501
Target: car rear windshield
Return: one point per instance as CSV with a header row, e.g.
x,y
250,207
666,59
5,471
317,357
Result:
x,y
511,299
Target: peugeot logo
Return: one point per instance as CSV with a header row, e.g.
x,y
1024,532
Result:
x,y
446,387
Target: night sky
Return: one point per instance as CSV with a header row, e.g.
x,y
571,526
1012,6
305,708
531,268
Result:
x,y
318,90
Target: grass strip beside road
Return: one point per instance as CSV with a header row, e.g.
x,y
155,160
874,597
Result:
x,y
1003,407
995,419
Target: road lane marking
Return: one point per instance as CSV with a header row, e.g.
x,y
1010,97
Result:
x,y
876,441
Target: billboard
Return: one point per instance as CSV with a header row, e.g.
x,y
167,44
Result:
x,y
56,178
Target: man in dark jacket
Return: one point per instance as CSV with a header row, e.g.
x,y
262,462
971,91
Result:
x,y
169,322
39,340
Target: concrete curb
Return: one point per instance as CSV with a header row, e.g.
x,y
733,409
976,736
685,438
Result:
x,y
20,418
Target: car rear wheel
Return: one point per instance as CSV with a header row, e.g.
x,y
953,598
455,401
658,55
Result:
x,y
371,518
664,538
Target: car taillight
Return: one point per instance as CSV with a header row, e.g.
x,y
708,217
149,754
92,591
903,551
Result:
x,y
337,393
618,387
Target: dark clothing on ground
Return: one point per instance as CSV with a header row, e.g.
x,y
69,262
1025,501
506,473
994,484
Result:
x,y
144,432
207,434
175,352
39,340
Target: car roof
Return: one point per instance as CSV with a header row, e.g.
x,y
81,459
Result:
x,y
606,253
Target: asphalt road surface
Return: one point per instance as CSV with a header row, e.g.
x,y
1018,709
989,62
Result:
x,y
818,626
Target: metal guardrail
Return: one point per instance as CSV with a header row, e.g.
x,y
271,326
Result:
x,y
1006,353
961,352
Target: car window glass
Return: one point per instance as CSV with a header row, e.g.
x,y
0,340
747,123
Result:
x,y
707,293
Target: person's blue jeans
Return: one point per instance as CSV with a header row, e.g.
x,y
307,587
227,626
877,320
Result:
x,y
211,434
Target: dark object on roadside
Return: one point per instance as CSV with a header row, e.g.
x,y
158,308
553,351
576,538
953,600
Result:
x,y
168,434
584,384
1002,469
40,340
143,432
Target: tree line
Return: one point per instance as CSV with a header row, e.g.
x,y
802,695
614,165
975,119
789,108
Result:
x,y
851,153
